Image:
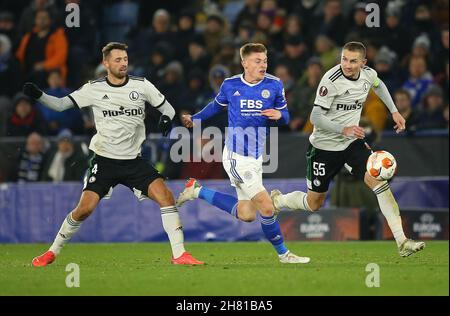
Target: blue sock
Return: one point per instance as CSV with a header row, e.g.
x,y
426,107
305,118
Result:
x,y
225,202
272,231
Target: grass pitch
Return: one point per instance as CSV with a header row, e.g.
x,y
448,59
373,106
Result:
x,y
237,269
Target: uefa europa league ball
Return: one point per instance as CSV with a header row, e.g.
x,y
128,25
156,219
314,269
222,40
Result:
x,y
381,165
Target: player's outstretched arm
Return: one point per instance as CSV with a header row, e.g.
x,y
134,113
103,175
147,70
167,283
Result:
x,y
383,93
213,108
54,103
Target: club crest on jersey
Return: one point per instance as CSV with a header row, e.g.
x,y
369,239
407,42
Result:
x,y
133,95
323,91
366,86
265,93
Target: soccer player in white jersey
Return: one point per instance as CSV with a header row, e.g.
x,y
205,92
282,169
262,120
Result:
x,y
254,100
338,141
118,104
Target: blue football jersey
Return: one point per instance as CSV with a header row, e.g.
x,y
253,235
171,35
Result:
x,y
247,128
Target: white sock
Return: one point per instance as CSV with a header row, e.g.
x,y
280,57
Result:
x,y
172,225
390,210
295,201
197,191
68,228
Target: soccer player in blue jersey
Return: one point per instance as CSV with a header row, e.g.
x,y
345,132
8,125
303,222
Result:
x,y
255,101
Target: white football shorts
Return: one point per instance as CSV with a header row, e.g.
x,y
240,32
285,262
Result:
x,y
245,173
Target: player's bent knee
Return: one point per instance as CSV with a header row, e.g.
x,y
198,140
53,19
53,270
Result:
x,y
266,209
248,218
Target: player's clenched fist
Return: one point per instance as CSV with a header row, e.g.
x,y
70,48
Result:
x,y
187,120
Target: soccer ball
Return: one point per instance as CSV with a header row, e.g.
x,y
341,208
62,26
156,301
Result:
x,y
381,165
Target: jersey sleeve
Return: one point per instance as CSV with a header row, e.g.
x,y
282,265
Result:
x,y
280,97
152,94
373,77
82,97
221,97
325,94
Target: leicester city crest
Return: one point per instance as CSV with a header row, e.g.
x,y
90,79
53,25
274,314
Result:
x,y
265,93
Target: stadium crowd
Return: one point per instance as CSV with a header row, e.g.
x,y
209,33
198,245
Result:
x,y
187,48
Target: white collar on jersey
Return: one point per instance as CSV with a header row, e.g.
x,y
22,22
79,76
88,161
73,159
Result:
x,y
251,84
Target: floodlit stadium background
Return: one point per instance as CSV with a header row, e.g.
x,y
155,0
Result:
x,y
187,48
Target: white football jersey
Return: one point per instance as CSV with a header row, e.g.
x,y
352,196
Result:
x,y
343,98
119,112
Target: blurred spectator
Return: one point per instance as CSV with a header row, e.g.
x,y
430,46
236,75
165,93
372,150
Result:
x,y
244,34
228,55
384,64
423,23
402,100
441,56
327,51
419,79
215,30
152,67
198,93
358,28
173,86
186,31
301,101
26,21
292,28
25,119
198,56
217,75
394,34
248,14
7,27
307,9
432,111
275,14
67,162
283,72
372,49
9,69
57,121
118,19
31,160
159,33
332,23
295,56
43,49
421,48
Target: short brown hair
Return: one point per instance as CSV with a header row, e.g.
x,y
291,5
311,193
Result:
x,y
356,47
113,45
249,48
